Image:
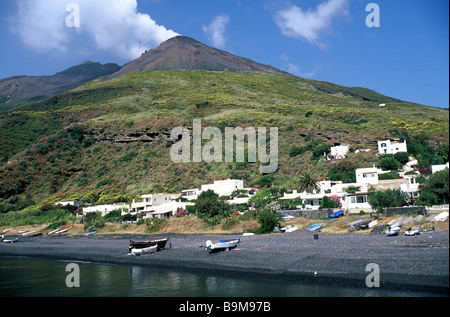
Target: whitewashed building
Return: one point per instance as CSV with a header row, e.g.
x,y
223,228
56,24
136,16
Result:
x,y
224,187
438,168
338,152
105,209
391,147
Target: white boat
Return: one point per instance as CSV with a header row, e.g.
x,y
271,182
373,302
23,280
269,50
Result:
x,y
392,231
28,233
213,247
412,231
373,223
53,231
248,234
143,251
61,231
292,229
443,216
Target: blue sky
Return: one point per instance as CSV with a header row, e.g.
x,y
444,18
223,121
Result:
x,y
406,57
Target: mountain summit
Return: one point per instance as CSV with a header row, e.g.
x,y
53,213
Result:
x,y
14,90
185,53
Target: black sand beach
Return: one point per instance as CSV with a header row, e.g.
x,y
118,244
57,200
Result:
x,y
418,263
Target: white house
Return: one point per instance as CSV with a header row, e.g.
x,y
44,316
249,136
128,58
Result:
x,y
356,202
165,210
190,194
438,168
151,200
224,187
391,147
104,209
338,152
367,175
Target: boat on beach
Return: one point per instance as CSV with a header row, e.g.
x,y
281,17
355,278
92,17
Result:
x,y
315,227
232,239
443,216
13,240
221,246
142,251
160,243
392,231
413,231
336,214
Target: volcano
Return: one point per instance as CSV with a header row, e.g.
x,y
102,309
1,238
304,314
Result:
x,y
185,53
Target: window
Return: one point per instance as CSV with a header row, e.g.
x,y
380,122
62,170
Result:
x,y
359,199
383,145
368,175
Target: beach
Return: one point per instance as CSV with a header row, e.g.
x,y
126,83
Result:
x,y
407,263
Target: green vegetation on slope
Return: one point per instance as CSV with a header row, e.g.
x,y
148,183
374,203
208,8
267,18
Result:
x,y
106,141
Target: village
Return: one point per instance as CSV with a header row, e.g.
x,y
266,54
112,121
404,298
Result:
x,y
353,197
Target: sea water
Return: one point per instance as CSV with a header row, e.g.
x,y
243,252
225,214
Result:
x,y
26,277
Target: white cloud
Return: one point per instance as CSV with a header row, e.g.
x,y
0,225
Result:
x,y
216,31
309,25
294,69
114,26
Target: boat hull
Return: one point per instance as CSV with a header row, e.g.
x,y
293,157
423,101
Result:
x,y
221,246
143,251
315,227
160,243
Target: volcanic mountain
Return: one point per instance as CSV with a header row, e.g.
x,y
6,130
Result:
x,y
185,53
14,90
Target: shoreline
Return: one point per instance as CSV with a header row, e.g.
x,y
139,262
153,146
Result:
x,y
415,264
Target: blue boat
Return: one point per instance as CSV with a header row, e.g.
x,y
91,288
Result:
x,y
229,240
336,214
315,227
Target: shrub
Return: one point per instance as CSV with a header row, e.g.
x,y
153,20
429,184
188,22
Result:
x,y
180,213
268,220
389,163
402,157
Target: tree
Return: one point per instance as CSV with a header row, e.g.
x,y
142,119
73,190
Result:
x,y
308,182
437,184
268,220
402,157
261,199
209,204
380,199
388,163
327,203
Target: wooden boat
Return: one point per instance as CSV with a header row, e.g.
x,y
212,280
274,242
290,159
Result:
x,y
315,227
413,231
221,246
143,251
160,243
